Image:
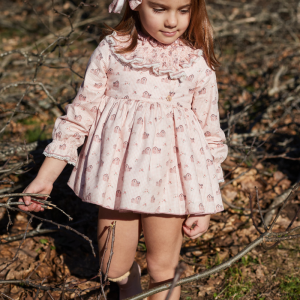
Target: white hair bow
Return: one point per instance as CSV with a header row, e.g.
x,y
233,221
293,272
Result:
x,y
117,5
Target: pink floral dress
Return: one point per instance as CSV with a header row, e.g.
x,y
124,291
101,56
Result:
x,y
154,142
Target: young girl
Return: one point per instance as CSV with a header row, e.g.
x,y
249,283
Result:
x,y
148,106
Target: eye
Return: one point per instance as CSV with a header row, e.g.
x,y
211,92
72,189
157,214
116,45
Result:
x,y
184,11
157,10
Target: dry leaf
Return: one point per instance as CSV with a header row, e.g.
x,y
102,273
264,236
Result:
x,y
20,271
223,255
189,271
260,274
43,270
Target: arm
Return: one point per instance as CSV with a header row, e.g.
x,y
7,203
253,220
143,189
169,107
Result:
x,y
43,183
70,130
205,107
51,169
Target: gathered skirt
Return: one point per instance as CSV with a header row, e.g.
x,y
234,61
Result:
x,y
148,157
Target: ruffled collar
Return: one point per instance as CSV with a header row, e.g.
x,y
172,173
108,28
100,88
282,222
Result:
x,y
170,59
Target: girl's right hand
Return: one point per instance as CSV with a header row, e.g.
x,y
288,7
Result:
x,y
37,186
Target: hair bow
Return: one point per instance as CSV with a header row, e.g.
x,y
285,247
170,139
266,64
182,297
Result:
x,y
117,5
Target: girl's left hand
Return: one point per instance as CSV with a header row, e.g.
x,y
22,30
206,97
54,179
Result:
x,y
194,227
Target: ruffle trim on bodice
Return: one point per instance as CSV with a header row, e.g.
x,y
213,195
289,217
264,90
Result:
x,y
162,59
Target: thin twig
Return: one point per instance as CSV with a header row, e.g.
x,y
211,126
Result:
x,y
178,271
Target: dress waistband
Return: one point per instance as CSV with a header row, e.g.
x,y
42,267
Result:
x,y
172,102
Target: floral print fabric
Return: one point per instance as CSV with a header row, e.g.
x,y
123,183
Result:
x,y
149,123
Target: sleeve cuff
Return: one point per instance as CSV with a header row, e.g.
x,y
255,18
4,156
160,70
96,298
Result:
x,y
62,151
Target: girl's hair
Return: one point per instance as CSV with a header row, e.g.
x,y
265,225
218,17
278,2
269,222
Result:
x,y
193,36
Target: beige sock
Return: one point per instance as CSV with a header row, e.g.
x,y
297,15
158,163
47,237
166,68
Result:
x,y
121,278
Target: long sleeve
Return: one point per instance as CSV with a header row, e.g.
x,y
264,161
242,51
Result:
x,y
70,129
205,107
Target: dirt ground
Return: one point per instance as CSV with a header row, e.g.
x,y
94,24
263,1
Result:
x,y
258,45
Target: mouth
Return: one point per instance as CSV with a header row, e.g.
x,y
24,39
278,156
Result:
x,y
168,33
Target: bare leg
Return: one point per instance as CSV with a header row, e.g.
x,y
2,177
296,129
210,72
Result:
x,y
163,237
128,229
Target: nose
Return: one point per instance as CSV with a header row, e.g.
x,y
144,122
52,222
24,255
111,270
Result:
x,y
171,20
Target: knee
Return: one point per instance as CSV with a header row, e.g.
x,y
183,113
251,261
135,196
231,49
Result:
x,y
160,269
115,271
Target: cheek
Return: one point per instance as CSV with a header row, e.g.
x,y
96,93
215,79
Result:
x,y
186,21
151,21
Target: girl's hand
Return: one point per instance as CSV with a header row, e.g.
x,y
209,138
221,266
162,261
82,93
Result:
x,y
195,226
37,186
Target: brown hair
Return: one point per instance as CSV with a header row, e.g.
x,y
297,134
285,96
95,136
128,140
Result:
x,y
193,36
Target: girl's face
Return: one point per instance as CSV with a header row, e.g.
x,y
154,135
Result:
x,y
160,17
